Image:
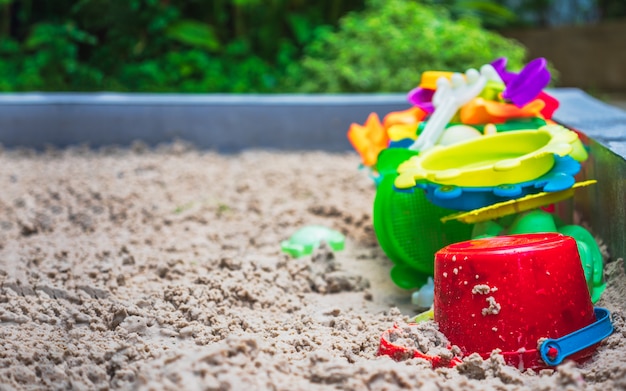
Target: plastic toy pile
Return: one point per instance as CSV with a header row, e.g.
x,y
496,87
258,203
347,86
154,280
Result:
x,y
469,181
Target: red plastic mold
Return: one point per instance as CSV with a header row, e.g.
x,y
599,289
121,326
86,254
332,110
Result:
x,y
399,352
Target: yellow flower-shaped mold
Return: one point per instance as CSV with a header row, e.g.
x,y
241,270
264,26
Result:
x,y
491,160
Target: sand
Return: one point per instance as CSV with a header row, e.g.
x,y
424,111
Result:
x,y
161,269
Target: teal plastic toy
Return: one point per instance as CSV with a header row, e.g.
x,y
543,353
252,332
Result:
x,y
540,221
424,297
308,238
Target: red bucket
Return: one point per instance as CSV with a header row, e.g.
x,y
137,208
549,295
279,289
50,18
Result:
x,y
510,293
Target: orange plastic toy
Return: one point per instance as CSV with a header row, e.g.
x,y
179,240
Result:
x,y
482,111
411,116
369,139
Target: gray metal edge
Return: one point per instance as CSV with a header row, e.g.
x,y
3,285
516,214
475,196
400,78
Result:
x,y
230,122
602,206
227,123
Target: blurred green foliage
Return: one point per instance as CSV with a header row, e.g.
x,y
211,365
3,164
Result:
x,y
241,45
493,14
388,45
156,45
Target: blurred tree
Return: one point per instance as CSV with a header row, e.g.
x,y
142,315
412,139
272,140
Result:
x,y
388,45
156,45
491,13
229,45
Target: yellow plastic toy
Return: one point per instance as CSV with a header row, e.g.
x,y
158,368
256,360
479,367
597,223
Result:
x,y
369,139
429,79
501,209
491,160
399,132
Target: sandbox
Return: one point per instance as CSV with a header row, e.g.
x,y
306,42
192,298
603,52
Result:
x,y
159,267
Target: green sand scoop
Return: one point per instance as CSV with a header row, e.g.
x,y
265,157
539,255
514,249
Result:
x,y
308,238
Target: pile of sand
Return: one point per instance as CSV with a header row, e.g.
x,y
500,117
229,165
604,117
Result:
x,y
144,269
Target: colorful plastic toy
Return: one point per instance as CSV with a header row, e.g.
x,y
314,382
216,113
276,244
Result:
x,y
551,104
491,160
426,315
482,111
506,208
449,97
369,139
528,84
554,351
308,238
591,256
422,95
423,298
422,98
493,90
398,132
520,124
408,226
430,79
409,230
484,143
537,221
526,123
458,133
559,178
389,347
391,158
411,116
511,293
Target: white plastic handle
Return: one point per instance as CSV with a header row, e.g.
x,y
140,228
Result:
x,y
450,96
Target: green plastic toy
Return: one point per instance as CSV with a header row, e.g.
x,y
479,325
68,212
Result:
x,y
389,160
591,258
408,227
308,238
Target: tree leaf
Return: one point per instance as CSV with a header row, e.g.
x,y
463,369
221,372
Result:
x,y
195,34
301,27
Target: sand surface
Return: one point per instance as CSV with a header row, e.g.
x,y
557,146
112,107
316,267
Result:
x,y
161,269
